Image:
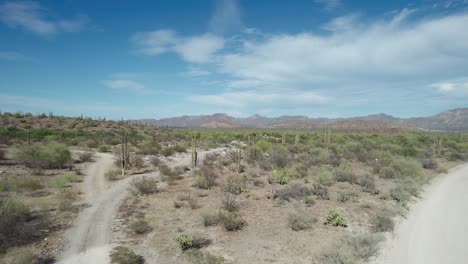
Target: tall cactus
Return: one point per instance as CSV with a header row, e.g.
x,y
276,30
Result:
x,y
194,153
238,159
296,140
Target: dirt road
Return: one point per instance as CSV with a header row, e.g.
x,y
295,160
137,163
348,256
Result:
x,y
89,241
436,231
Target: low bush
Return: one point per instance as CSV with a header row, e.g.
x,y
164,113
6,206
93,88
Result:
x,y
278,156
85,156
103,149
67,198
19,256
382,223
388,172
2,154
367,183
357,248
231,221
64,181
429,163
344,196
320,191
169,151
51,156
230,203
309,201
140,227
346,176
300,221
207,178
281,176
137,161
24,183
14,228
144,185
235,184
187,241
210,219
295,191
258,183
113,175
155,161
336,218
124,255
325,178
196,256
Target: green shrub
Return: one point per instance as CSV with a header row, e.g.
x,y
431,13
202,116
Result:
x,y
351,249
300,221
207,178
210,219
124,255
113,174
196,256
320,191
367,183
325,178
388,172
295,191
229,203
408,168
144,185
61,182
335,218
344,174
279,156
52,156
231,221
187,241
281,176
235,184
344,196
103,149
14,217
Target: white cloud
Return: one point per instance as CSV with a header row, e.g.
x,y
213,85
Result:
x,y
196,49
196,72
248,98
33,17
12,56
121,84
458,87
370,54
199,49
226,17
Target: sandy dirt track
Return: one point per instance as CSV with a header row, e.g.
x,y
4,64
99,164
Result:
x,y
436,231
89,240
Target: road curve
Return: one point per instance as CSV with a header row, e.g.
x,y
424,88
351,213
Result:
x,y
436,231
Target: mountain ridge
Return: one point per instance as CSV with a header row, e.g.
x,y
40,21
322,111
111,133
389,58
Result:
x,y
450,120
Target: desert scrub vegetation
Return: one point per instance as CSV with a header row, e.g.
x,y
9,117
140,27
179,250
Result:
x,y
187,241
140,227
231,221
196,256
354,248
18,224
85,156
335,218
144,185
382,223
296,191
124,255
300,220
207,176
37,157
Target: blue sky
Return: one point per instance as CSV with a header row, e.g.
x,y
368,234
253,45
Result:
x,y
155,59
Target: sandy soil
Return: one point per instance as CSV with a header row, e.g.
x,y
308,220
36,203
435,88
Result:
x,y
435,231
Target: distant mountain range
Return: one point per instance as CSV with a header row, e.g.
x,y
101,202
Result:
x,y
452,120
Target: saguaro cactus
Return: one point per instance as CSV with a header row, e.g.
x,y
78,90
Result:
x,y
194,153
